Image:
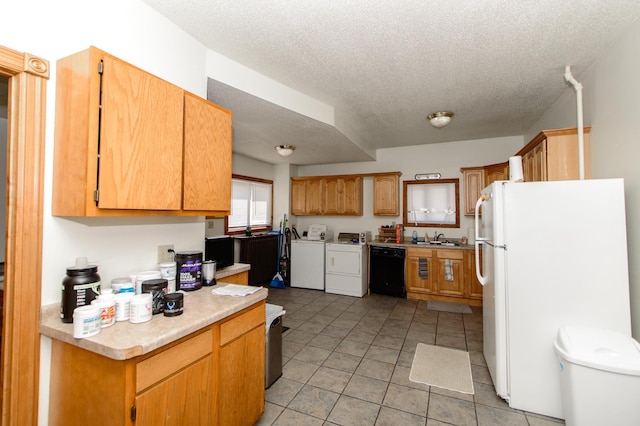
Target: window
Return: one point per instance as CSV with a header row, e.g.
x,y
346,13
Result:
x,y
431,203
251,205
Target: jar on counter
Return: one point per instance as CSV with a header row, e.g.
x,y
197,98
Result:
x,y
157,288
140,308
79,288
107,304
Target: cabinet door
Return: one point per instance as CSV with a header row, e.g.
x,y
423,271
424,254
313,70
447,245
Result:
x,y
313,196
421,271
540,162
333,202
527,166
184,399
473,288
385,195
140,150
473,184
450,272
242,364
298,203
496,172
207,156
351,196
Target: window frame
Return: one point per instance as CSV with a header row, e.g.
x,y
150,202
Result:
x,y
432,224
254,229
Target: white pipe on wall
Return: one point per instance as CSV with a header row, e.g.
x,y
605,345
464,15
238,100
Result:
x,y
578,88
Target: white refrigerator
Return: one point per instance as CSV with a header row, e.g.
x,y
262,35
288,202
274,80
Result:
x,y
553,254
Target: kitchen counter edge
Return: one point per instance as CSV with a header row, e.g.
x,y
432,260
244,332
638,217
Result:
x,y
125,340
408,243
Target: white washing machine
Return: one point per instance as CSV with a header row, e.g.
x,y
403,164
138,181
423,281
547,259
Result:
x,y
306,268
346,265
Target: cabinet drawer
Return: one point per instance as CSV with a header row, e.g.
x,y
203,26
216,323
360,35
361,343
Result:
x,y
419,252
241,324
450,254
154,369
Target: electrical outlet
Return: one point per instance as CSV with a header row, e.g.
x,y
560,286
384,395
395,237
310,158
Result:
x,y
164,255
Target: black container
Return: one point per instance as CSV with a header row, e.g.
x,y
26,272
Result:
x,y
173,303
158,290
79,288
189,270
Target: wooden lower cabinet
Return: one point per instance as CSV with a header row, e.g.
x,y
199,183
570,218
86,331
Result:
x,y
241,278
450,276
182,399
213,376
417,282
242,363
473,288
447,276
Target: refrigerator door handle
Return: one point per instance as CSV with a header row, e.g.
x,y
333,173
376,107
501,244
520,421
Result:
x,y
479,240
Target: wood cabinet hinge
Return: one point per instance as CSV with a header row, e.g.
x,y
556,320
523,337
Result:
x,y
100,67
96,195
133,413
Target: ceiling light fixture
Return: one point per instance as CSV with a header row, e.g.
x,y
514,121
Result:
x,y
439,119
285,150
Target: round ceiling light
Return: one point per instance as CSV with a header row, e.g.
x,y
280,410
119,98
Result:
x,y
439,119
285,150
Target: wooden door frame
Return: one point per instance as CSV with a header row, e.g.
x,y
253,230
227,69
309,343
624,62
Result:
x,y
28,77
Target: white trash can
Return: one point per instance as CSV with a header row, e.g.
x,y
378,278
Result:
x,y
273,344
599,376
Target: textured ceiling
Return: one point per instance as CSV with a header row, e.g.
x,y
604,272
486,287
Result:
x,y
384,65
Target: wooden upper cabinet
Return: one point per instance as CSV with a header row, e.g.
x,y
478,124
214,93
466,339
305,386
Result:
x,y
140,148
477,178
298,203
495,172
313,194
553,155
342,196
207,156
126,142
386,199
327,195
473,178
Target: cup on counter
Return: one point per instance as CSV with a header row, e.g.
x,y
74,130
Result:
x,y
209,273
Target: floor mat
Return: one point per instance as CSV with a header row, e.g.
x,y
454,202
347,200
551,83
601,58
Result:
x,y
442,367
459,308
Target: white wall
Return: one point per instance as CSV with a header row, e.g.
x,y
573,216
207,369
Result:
x,y
257,169
132,31
445,158
611,106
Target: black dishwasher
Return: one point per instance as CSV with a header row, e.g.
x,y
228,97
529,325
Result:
x,y
386,271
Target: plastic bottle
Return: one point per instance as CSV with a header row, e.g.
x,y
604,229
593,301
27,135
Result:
x,y
398,234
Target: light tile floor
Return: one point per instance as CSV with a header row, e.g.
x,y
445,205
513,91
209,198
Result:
x,y
346,361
